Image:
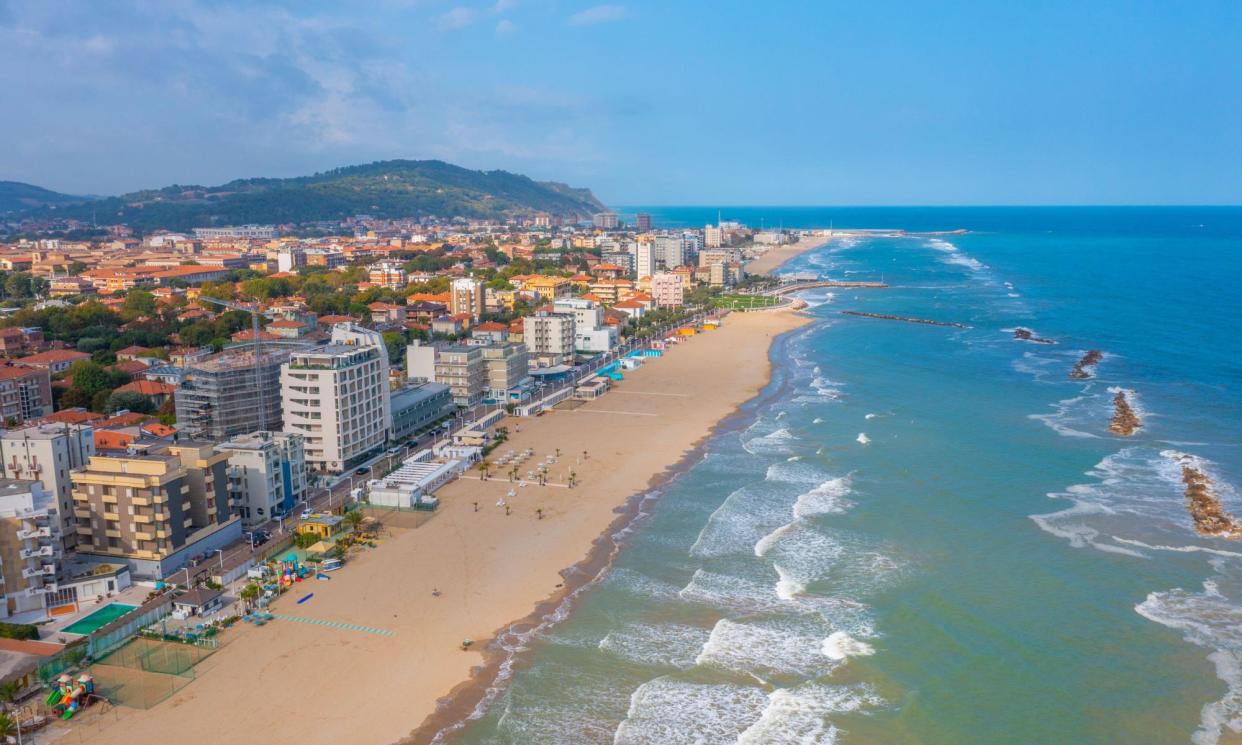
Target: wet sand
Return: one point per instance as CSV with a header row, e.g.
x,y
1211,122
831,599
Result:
x,y
293,681
779,255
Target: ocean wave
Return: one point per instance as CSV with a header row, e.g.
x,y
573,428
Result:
x,y
763,648
668,645
828,498
1072,417
1212,620
776,443
954,256
863,439
800,716
666,711
839,646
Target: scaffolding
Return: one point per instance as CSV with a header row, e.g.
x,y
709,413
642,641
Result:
x,y
218,399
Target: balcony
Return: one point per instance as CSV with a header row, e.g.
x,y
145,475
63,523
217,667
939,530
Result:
x,y
30,553
32,533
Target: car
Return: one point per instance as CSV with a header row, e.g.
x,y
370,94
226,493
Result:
x,y
362,472
394,451
305,514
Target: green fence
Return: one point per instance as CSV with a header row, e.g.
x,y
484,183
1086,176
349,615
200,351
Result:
x,y
144,672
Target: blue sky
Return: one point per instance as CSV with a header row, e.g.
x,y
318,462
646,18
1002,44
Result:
x,y
783,102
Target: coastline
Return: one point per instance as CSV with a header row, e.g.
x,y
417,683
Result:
x,y
777,256
491,567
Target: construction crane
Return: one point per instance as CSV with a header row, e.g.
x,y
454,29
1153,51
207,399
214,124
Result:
x,y
255,311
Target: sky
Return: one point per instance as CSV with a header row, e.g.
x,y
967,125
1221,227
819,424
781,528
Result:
x,y
795,102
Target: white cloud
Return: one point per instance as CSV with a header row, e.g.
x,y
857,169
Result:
x,y
598,14
506,27
461,16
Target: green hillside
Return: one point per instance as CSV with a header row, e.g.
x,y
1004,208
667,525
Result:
x,y
386,189
16,196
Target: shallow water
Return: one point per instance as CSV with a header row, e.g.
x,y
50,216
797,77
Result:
x,y
928,535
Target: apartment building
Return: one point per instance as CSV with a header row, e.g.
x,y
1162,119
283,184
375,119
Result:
x,y
47,453
388,274
606,220
25,393
645,259
55,360
466,297
154,511
668,290
336,396
508,369
590,333
266,474
549,336
30,549
418,406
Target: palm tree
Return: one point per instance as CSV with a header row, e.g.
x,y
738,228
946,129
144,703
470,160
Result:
x,y
485,466
8,693
8,727
353,519
249,594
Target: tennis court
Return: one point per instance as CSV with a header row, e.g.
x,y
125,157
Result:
x,y
98,619
144,672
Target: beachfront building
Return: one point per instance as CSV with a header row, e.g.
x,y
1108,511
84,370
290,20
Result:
x,y
30,549
508,370
218,397
418,406
154,511
590,333
668,290
47,453
266,474
549,336
466,297
336,396
606,220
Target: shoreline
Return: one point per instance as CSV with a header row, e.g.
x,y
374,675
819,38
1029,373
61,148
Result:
x,y
778,256
491,679
488,566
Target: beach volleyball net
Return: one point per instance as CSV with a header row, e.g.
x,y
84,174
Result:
x,y
144,672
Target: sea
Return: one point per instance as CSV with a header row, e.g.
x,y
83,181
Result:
x,y
923,534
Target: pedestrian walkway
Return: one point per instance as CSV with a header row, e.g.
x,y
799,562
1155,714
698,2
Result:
x,y
335,624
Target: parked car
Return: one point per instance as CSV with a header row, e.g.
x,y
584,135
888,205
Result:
x,y
362,472
305,514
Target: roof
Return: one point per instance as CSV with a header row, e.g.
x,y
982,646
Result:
x,y
54,356
106,439
8,371
284,325
76,415
127,419
198,597
491,326
148,388
159,430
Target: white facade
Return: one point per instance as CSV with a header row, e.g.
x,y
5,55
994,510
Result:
x,y
30,547
644,259
47,453
336,396
713,237
590,333
670,251
668,290
466,296
549,334
267,474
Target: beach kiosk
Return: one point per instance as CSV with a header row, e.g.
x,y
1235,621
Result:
x,y
198,602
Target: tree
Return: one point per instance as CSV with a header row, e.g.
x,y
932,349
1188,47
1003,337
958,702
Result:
x,y
89,377
395,342
8,727
249,594
8,693
353,519
138,302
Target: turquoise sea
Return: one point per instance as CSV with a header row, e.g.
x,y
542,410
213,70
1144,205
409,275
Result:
x,y
923,534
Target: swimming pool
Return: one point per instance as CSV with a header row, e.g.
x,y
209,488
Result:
x,y
99,618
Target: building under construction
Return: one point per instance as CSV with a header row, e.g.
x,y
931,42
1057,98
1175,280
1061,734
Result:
x,y
227,394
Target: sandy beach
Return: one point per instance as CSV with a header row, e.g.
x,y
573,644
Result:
x,y
300,682
778,255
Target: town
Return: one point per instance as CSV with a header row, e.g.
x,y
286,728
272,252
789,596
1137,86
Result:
x,y
181,411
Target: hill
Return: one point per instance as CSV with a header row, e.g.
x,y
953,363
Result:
x,y
385,189
16,196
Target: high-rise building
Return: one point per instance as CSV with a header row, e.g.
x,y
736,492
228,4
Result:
x,y
623,259
590,333
644,259
670,251
463,370
549,336
219,397
643,221
154,511
606,220
30,547
466,297
48,453
336,396
266,474
713,236
508,368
